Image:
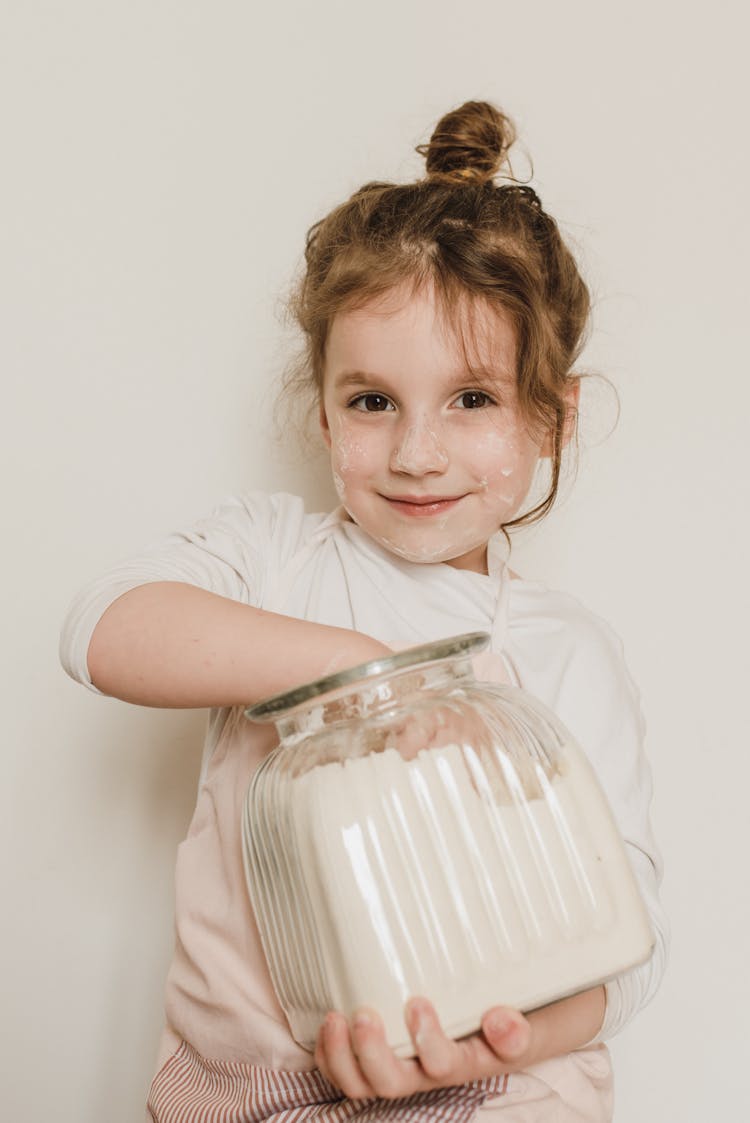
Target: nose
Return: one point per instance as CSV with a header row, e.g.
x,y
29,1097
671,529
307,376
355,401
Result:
x,y
419,451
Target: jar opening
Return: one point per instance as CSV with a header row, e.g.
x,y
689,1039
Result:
x,y
271,709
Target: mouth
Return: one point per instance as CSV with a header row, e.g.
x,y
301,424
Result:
x,y
422,506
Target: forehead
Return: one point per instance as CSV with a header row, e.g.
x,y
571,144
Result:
x,y
404,328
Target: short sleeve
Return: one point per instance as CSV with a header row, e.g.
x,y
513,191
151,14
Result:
x,y
230,552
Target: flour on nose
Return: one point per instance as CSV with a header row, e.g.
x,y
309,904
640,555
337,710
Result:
x,y
421,445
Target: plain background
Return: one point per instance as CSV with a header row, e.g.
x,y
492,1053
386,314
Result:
x,y
162,162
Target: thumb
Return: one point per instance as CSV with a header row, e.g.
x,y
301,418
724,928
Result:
x,y
507,1032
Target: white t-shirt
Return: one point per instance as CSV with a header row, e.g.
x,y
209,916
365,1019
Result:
x,y
265,550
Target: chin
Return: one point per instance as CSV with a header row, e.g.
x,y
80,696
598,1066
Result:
x,y
424,554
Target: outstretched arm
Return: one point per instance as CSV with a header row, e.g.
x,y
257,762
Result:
x,y
175,645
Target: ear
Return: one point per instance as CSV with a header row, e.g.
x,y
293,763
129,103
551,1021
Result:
x,y
572,398
324,426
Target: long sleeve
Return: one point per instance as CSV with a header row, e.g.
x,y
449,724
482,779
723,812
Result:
x,y
617,748
573,661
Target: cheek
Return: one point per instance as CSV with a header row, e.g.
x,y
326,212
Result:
x,y
354,455
504,465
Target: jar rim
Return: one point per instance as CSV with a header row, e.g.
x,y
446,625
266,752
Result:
x,y
466,644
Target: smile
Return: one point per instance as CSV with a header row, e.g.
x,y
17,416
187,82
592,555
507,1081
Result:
x,y
423,506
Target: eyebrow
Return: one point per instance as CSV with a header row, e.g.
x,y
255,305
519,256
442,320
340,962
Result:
x,y
355,378
476,376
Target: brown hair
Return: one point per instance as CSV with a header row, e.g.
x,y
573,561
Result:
x,y
475,240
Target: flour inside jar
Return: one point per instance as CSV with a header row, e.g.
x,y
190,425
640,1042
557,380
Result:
x,y
410,877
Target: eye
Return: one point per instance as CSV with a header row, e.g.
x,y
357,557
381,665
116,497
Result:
x,y
371,403
474,399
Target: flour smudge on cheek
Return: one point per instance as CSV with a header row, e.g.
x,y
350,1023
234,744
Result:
x,y
347,455
340,486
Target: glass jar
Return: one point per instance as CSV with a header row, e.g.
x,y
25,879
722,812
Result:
x,y
418,833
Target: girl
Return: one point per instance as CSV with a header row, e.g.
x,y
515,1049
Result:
x,y
442,322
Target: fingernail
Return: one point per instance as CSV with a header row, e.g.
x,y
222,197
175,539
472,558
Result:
x,y
415,1010
424,1029
362,1020
499,1023
421,1023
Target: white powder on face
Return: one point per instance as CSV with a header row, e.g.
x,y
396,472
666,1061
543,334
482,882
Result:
x,y
408,878
339,484
420,444
345,452
421,552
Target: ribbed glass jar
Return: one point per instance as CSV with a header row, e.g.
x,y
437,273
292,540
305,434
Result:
x,y
418,833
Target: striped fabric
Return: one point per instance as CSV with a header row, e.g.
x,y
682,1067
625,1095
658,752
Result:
x,y
190,1089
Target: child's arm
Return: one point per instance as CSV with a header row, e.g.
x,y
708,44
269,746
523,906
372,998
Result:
x,y
175,645
360,1063
180,624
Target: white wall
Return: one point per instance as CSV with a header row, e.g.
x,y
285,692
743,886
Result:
x,y
161,164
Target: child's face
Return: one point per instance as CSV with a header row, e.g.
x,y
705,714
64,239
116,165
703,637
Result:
x,y
426,458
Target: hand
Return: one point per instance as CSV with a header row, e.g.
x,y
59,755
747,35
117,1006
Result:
x,y
360,1062
426,729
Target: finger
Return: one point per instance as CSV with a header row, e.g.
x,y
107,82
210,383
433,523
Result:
x,y
339,1064
507,1032
321,1060
439,1056
386,1074
410,739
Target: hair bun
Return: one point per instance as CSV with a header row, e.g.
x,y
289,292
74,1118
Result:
x,y
469,144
